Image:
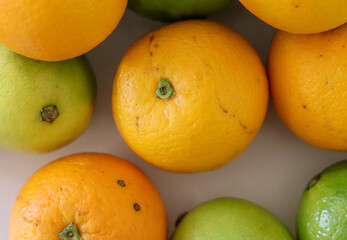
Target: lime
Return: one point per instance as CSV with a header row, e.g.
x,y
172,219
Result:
x,y
230,219
323,209
170,10
43,105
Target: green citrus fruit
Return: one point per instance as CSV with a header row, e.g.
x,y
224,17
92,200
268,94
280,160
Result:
x,y
43,105
170,10
323,210
230,219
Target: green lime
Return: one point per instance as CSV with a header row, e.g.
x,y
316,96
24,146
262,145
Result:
x,y
322,213
230,219
170,10
43,105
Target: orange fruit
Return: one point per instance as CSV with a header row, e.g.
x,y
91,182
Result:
x,y
308,76
104,197
57,30
190,96
298,16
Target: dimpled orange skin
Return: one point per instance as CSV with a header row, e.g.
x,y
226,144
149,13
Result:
x,y
221,96
83,188
57,30
308,76
300,16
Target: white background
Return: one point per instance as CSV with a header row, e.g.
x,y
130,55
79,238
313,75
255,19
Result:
x,y
272,172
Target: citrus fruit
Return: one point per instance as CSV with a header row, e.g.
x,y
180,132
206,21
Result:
x,y
43,105
91,196
308,16
308,76
190,96
323,209
57,30
232,219
169,10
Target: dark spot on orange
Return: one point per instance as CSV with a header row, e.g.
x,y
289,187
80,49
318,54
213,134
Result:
x,y
150,43
195,38
121,183
258,79
137,207
304,106
296,6
220,104
103,171
82,213
343,46
156,45
61,188
321,55
37,222
243,126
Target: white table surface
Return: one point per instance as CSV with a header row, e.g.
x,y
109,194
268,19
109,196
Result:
x,y
272,172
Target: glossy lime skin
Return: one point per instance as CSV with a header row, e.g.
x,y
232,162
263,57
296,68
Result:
x,y
230,219
28,86
171,10
322,213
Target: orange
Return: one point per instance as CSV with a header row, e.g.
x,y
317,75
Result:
x,y
104,197
190,97
57,30
300,16
308,76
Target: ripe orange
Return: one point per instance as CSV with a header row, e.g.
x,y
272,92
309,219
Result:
x,y
190,96
105,197
308,76
57,30
300,16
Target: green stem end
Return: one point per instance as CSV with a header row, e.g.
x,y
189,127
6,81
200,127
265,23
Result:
x,y
165,91
70,233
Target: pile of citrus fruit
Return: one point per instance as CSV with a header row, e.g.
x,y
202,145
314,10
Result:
x,y
187,97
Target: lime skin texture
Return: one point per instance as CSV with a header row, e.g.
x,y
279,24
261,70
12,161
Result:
x,y
43,105
173,10
322,212
230,219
